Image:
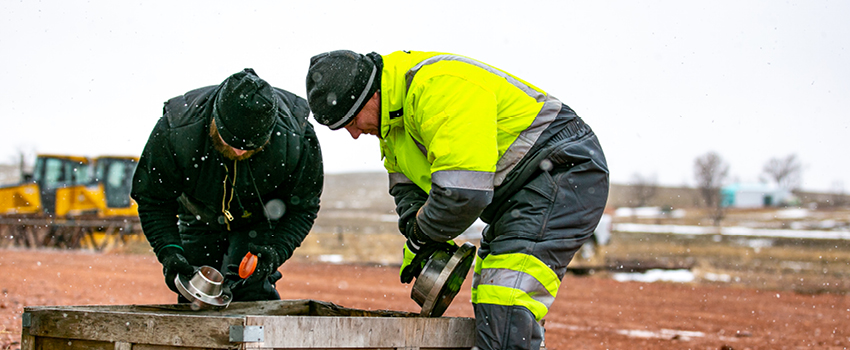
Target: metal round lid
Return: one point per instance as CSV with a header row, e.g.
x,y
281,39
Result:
x,y
441,279
204,288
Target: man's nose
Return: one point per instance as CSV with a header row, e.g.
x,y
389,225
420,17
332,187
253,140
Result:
x,y
238,152
355,133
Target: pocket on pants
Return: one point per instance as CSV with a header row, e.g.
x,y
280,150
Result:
x,y
527,211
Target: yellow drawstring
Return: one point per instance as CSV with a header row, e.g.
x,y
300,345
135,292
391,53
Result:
x,y
225,203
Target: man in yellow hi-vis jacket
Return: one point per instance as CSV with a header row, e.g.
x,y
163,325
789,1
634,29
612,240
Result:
x,y
462,140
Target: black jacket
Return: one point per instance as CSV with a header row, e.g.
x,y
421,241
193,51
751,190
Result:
x,y
179,172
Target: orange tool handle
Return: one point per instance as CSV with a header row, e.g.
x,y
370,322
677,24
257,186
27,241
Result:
x,y
248,265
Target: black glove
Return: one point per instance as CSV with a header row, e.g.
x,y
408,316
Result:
x,y
423,247
173,262
267,263
414,233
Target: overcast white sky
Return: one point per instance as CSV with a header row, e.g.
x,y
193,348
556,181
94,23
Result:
x,y
661,82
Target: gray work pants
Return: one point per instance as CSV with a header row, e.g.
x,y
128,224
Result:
x,y
549,217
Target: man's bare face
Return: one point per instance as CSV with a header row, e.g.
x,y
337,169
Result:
x,y
368,121
226,150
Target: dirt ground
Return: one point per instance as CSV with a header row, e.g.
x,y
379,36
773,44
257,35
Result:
x,y
591,312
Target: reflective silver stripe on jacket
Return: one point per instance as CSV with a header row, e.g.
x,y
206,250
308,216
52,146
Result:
x,y
520,147
398,178
537,95
465,179
516,280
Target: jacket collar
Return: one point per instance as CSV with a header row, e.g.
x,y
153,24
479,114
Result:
x,y
394,89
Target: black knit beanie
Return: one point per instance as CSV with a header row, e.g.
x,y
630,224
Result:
x,y
339,83
245,110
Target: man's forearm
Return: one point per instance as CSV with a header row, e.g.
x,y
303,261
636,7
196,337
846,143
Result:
x,y
291,231
448,212
408,199
159,225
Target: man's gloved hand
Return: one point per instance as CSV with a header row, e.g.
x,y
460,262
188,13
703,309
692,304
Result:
x,y
414,233
173,262
417,250
268,262
415,258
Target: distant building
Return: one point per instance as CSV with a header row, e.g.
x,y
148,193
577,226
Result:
x,y
754,195
10,174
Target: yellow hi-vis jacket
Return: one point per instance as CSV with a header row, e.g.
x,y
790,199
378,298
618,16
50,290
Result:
x,y
456,127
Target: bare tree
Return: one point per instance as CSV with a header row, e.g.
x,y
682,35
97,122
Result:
x,y
711,171
786,172
643,189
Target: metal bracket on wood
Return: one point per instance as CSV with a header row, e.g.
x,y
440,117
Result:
x,y
26,320
246,334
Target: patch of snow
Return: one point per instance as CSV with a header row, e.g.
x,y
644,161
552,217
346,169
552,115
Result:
x,y
331,258
796,213
730,231
655,275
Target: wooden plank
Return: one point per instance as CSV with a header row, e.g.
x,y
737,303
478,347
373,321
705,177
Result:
x,y
276,307
279,307
31,239
324,332
50,343
18,233
27,341
164,347
6,238
48,236
77,237
107,233
321,308
137,328
259,308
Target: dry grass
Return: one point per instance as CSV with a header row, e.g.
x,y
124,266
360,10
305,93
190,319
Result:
x,y
807,266
357,225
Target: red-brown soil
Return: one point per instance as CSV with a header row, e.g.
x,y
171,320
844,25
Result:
x,y
590,312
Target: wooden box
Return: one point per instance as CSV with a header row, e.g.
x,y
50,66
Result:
x,y
284,324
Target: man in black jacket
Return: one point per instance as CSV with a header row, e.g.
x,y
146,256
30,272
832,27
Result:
x,y
227,170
